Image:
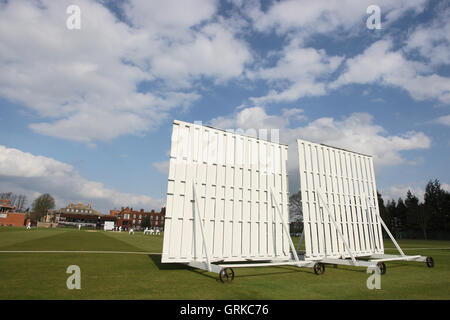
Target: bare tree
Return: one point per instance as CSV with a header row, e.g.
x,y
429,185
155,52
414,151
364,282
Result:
x,y
42,204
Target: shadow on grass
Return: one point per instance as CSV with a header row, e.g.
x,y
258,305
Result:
x,y
156,259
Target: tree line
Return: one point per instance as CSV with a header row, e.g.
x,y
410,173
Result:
x,y
412,218
406,218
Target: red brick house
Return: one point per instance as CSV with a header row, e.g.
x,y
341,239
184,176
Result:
x,y
8,217
127,217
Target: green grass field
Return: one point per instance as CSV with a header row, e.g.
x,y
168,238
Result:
x,y
142,276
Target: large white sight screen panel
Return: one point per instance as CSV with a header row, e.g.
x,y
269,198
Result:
x,y
234,175
347,181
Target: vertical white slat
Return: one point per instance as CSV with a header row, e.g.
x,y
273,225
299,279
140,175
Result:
x,y
357,202
377,210
269,211
317,206
332,241
254,199
167,253
362,193
311,202
246,228
340,203
371,194
220,211
348,204
186,206
321,211
367,207
285,196
210,192
278,227
304,196
229,180
179,189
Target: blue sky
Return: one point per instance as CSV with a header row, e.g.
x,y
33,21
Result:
x,y
86,114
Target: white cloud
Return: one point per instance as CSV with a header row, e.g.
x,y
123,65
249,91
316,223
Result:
x,y
446,187
85,85
30,174
379,64
445,120
251,118
399,191
171,15
162,166
300,72
432,41
306,17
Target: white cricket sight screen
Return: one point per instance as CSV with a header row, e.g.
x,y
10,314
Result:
x,y
233,175
346,181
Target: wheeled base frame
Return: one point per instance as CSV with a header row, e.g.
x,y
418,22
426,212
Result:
x,y
376,261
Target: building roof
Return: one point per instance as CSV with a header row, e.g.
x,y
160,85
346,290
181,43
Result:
x,y
77,208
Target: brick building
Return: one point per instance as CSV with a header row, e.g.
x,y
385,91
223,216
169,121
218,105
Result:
x,y
127,217
78,214
8,217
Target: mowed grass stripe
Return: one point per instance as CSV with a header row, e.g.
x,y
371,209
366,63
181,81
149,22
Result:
x,y
69,240
14,236
152,243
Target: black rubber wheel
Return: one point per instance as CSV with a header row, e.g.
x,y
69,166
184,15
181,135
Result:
x,y
430,262
382,267
319,268
226,275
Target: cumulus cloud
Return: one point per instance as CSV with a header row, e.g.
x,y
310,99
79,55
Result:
x,y
432,41
112,78
380,64
445,120
300,72
307,18
29,174
399,191
162,166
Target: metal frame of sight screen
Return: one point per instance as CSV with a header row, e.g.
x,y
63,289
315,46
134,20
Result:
x,y
233,175
346,182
